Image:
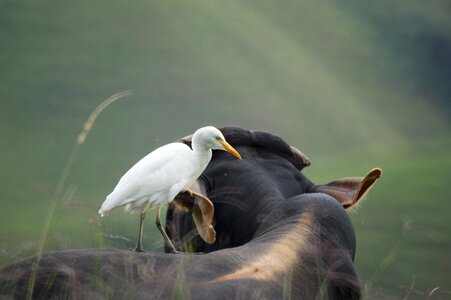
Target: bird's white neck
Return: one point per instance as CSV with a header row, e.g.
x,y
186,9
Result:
x,y
201,149
203,152
203,155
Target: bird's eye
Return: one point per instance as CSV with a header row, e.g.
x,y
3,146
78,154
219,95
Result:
x,y
218,138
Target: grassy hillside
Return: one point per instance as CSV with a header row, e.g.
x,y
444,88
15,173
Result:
x,y
402,225
355,85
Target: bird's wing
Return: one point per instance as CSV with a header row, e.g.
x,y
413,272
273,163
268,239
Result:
x,y
154,174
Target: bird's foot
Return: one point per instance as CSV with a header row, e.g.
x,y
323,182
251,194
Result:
x,y
172,250
137,249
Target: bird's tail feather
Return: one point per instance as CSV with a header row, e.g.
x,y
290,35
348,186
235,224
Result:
x,y
108,205
103,212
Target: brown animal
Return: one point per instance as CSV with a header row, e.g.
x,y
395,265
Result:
x,y
278,236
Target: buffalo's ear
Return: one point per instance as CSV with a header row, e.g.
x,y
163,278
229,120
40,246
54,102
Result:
x,y
348,191
202,210
186,140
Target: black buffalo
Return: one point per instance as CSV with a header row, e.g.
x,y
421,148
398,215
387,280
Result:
x,y
272,234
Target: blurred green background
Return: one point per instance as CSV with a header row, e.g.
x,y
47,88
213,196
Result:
x,y
354,84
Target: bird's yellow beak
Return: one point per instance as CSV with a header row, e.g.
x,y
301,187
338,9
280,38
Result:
x,y
230,149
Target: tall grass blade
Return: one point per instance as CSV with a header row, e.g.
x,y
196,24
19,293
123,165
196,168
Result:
x,y
62,180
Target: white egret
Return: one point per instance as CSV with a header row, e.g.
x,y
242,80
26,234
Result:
x,y
158,177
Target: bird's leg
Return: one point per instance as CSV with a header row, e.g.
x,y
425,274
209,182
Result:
x,y
163,232
139,247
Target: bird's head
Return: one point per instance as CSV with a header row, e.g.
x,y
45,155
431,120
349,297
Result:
x,y
211,138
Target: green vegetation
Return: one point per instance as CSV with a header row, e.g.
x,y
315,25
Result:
x,y
402,225
354,85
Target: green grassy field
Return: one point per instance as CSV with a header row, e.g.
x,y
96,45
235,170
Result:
x,y
354,85
402,226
